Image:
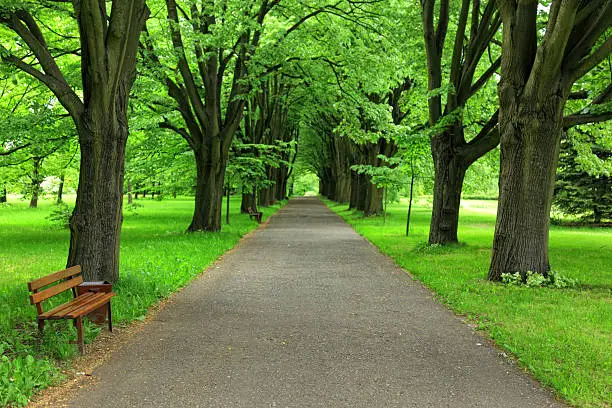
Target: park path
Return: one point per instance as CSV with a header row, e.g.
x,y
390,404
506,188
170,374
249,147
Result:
x,y
306,313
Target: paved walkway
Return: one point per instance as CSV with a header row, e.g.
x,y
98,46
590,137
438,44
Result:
x,y
306,313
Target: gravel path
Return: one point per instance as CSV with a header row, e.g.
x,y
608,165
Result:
x,y
306,313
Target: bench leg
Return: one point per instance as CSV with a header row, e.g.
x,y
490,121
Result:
x,y
110,318
78,322
41,327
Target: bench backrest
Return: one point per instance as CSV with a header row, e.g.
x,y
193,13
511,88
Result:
x,y
71,278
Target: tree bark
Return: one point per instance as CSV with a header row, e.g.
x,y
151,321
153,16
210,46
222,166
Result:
x,y
343,189
35,182
373,199
60,189
108,72
248,201
477,23
410,202
210,166
109,43
358,191
530,144
129,192
95,224
354,190
536,81
449,170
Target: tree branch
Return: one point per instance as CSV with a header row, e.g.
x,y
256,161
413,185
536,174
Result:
x,y
583,119
591,61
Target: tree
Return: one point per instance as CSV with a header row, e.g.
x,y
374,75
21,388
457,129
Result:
x,y
34,136
580,188
451,149
107,46
540,64
217,61
267,122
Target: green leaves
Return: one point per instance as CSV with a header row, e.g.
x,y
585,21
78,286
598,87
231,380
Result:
x,y
22,376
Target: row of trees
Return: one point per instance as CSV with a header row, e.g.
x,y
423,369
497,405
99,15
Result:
x,y
209,58
369,88
540,56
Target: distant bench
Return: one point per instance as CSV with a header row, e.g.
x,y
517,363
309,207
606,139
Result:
x,y
256,214
81,305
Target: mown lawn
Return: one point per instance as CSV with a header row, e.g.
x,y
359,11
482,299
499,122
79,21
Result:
x,y
157,258
562,336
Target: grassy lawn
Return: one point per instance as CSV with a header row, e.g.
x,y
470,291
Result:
x,y
562,336
157,258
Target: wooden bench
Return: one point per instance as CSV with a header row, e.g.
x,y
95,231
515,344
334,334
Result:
x,y
76,308
256,214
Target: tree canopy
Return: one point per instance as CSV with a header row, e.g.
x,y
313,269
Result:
x,y
376,98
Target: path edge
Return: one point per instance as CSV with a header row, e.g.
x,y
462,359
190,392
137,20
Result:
x,y
507,356
77,371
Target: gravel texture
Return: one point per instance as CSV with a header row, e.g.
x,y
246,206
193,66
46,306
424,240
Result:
x,y
306,313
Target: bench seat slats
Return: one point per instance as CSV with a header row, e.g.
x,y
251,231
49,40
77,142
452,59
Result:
x,y
79,306
56,313
56,310
54,290
95,303
54,277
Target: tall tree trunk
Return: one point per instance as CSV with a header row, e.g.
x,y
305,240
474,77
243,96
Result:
x,y
357,191
263,196
331,188
108,48
281,183
60,189
385,201
129,192
597,215
476,23
3,194
538,71
108,69
354,190
448,182
373,199
35,183
95,224
410,202
209,190
530,141
248,201
362,192
343,189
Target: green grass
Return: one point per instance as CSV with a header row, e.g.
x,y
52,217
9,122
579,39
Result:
x,y
562,336
157,258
